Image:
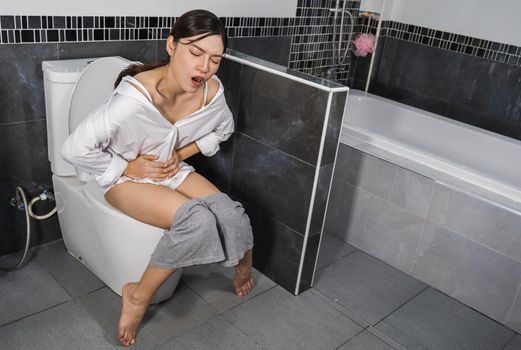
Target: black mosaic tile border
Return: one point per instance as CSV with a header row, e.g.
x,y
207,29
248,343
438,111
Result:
x,y
311,44
311,30
467,45
48,29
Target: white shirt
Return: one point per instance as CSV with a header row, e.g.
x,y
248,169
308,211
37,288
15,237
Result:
x,y
128,124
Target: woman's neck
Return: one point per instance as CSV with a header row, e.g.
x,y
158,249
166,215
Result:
x,y
167,85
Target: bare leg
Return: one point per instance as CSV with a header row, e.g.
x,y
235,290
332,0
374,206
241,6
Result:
x,y
154,205
197,186
135,300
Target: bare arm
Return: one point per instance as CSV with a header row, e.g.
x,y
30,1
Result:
x,y
188,151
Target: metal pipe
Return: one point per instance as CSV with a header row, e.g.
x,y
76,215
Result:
x,y
335,17
378,28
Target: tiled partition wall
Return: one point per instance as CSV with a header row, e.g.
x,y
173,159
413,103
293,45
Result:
x,y
459,242
280,163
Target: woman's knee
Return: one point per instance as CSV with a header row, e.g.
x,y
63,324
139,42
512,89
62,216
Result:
x,y
228,211
195,215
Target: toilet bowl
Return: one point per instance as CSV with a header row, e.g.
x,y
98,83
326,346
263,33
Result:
x,y
114,246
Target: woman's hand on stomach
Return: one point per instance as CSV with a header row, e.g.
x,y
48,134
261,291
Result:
x,y
147,166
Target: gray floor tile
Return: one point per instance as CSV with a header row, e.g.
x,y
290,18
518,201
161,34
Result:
x,y
366,341
408,342
28,290
66,326
515,343
366,286
70,273
214,284
436,321
331,250
278,320
183,312
216,334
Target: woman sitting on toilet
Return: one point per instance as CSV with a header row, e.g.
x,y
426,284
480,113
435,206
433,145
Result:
x,y
134,145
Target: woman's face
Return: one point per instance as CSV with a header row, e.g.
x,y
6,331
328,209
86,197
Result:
x,y
194,62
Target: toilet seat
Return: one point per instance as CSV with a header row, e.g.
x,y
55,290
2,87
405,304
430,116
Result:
x,y
101,74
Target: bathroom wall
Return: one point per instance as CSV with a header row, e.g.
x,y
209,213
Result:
x,y
476,18
26,41
455,239
311,46
466,77
272,140
224,8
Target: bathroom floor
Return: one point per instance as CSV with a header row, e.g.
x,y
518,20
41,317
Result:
x,y
358,302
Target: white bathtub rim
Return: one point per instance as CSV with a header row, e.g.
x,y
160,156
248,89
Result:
x,y
361,94
439,170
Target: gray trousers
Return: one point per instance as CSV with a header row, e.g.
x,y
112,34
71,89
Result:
x,y
205,230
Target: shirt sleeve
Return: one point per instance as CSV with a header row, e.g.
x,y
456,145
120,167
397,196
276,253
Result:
x,y
209,143
88,148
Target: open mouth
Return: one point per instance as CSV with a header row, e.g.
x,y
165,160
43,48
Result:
x,y
198,80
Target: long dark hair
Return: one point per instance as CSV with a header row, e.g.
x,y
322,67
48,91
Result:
x,y
191,23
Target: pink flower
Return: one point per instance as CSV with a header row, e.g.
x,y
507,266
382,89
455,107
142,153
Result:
x,y
364,44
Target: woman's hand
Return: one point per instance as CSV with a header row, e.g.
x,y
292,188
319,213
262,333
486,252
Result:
x,y
146,165
172,165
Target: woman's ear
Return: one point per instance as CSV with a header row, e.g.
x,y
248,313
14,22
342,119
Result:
x,y
170,45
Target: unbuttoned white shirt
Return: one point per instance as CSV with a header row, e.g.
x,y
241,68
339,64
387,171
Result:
x,y
128,124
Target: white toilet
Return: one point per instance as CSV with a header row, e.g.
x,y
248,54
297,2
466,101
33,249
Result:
x,y
115,247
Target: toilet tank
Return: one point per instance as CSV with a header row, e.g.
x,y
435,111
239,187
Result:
x,y
59,80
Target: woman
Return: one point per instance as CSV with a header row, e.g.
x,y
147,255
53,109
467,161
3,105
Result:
x,y
134,146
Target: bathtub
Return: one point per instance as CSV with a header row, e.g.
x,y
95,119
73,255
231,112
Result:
x,y
439,147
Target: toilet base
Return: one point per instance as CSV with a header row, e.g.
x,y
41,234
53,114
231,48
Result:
x,y
113,246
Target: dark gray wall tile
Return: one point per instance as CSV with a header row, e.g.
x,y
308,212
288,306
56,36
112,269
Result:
x,y
485,120
273,181
412,98
282,113
309,262
334,127
418,68
21,94
25,164
230,75
489,86
142,51
277,248
383,67
218,168
274,49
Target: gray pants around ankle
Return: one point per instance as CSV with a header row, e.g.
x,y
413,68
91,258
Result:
x,y
206,230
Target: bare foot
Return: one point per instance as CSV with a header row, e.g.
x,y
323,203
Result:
x,y
243,280
132,312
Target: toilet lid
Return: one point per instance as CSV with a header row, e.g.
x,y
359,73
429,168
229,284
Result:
x,y
93,87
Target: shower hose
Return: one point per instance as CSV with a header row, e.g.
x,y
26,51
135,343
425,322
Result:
x,y
28,214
